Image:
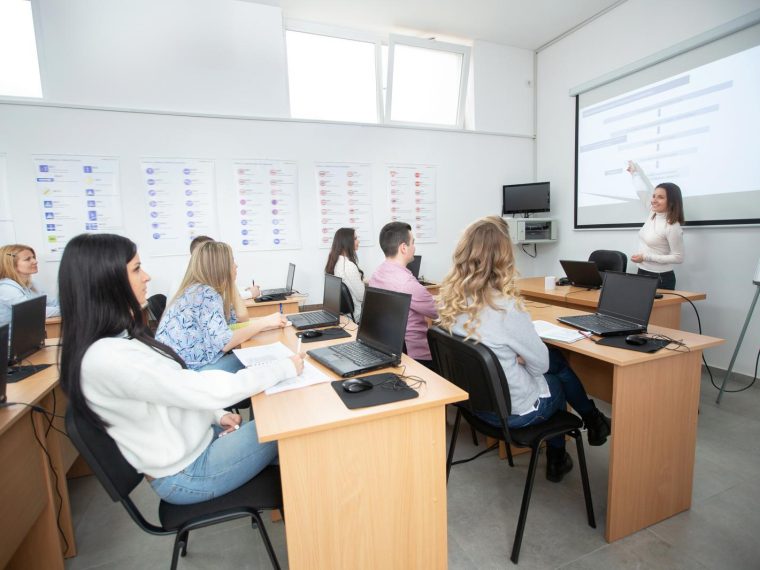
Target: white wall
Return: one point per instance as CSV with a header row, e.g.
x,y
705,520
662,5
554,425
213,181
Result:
x,y
719,261
203,56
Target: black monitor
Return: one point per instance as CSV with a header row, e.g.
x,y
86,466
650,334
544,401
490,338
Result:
x,y
525,198
291,276
27,328
3,362
384,318
414,265
331,299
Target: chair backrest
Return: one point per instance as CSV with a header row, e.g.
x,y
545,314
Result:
x,y
157,305
609,260
346,301
475,369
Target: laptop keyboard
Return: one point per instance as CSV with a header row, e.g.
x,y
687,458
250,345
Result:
x,y
313,318
358,354
601,323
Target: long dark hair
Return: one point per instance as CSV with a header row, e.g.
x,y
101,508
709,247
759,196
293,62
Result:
x,y
97,302
343,244
675,202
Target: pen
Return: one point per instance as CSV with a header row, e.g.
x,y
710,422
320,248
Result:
x,y
280,308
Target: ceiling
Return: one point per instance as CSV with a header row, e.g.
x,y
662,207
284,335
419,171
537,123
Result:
x,y
526,24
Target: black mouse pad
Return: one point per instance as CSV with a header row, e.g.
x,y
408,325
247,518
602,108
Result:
x,y
18,373
652,345
387,388
327,334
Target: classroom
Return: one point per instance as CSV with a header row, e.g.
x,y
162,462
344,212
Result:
x,y
270,124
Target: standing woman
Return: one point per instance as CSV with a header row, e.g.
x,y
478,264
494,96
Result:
x,y
196,324
165,419
661,236
479,300
17,265
344,263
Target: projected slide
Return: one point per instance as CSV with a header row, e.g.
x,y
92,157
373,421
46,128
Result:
x,y
699,129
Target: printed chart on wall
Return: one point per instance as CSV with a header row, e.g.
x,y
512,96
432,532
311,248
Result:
x,y
344,193
181,202
78,194
411,192
7,234
267,193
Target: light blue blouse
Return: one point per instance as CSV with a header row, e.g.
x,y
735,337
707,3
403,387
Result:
x,y
12,292
195,327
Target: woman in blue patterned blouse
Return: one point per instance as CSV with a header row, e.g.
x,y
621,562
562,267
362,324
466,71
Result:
x,y
196,324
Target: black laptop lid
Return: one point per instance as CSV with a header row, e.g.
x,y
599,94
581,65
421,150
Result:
x,y
27,328
414,265
291,276
582,273
384,316
628,296
331,299
3,361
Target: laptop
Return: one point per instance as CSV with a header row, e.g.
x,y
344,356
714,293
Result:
x,y
414,266
3,362
624,306
582,273
379,341
329,315
288,289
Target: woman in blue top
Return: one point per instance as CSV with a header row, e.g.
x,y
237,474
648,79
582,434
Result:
x,y
196,324
17,265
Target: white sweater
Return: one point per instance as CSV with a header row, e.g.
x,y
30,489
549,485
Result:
x,y
349,272
159,414
660,243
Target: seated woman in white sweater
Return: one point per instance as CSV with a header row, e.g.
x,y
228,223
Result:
x,y
166,420
479,300
344,263
661,236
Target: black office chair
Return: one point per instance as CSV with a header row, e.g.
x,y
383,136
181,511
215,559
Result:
x,y
156,306
119,478
474,368
346,301
609,260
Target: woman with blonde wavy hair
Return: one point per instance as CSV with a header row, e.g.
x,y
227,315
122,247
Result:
x,y
18,263
196,324
480,300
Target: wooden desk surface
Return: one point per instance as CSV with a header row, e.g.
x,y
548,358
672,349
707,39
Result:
x,y
318,408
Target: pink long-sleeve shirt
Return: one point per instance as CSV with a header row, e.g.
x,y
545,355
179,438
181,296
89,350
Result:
x,y
394,277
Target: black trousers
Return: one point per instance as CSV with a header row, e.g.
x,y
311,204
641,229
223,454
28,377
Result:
x,y
667,279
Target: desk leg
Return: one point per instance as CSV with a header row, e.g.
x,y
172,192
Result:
x,y
382,480
654,436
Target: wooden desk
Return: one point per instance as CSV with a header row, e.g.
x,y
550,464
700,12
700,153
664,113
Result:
x,y
289,306
666,312
29,536
53,327
655,399
377,473
433,288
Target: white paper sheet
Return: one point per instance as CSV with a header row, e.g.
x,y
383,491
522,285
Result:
x,y
412,197
549,331
260,356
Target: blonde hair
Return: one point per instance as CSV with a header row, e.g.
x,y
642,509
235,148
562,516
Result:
x,y
211,264
483,270
9,260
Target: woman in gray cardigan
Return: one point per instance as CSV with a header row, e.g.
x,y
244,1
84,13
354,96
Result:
x,y
479,300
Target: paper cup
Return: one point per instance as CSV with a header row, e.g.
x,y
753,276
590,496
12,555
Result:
x,y
550,282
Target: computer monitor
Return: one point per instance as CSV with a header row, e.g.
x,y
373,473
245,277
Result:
x,y
3,362
291,277
525,198
414,265
384,318
27,328
331,299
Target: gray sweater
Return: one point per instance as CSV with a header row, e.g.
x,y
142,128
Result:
x,y
509,333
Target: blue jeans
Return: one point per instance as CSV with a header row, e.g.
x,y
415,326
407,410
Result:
x,y
226,464
564,386
228,363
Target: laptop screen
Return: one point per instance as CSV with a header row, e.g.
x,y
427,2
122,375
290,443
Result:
x,y
27,328
414,265
332,294
628,296
384,316
582,273
3,361
291,275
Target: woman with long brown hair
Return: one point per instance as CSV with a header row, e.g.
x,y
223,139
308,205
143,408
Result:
x,y
480,300
344,263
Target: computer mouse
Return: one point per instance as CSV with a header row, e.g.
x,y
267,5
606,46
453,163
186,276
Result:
x,y
357,385
264,298
636,339
311,333
658,296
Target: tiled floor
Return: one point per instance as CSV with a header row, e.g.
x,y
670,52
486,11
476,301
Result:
x,y
720,531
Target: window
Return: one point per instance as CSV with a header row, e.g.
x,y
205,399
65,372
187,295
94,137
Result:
x,y
331,78
427,82
19,68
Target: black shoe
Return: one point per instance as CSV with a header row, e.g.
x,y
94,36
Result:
x,y
558,462
598,426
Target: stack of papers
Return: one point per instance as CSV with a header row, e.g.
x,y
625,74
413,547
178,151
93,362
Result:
x,y
549,331
261,356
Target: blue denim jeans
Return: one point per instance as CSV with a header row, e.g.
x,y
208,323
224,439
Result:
x,y
228,363
226,464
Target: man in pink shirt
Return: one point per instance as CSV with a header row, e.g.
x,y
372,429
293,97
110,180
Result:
x,y
397,243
